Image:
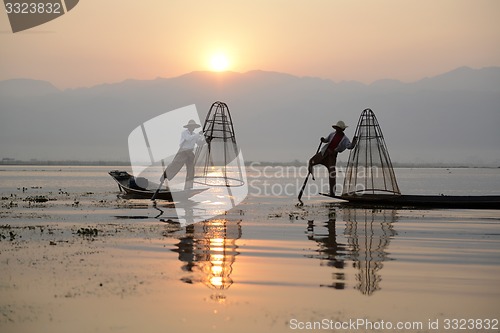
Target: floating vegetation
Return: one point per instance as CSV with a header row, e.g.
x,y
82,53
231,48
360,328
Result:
x,y
37,198
12,236
89,232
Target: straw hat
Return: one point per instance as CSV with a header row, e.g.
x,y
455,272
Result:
x,y
340,124
192,124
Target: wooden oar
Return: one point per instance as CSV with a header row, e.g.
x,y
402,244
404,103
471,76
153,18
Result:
x,y
305,180
162,180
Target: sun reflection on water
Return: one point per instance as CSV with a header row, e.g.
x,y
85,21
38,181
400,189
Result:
x,y
208,251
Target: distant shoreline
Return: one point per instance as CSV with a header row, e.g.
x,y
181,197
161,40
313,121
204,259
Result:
x,y
64,162
296,163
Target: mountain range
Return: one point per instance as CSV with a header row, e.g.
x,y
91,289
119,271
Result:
x,y
450,118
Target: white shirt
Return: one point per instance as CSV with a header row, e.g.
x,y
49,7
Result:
x,y
344,144
190,139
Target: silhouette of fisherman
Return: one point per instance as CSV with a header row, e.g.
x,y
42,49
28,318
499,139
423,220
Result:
x,y
185,154
336,142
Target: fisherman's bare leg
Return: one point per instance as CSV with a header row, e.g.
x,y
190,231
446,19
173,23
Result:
x,y
332,179
189,171
331,161
179,161
316,159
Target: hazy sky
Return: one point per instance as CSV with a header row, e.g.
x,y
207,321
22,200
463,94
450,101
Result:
x,y
104,41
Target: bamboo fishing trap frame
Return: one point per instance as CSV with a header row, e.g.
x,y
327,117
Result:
x,y
217,162
369,169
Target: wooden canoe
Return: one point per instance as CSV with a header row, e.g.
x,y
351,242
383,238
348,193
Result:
x,y
431,201
128,184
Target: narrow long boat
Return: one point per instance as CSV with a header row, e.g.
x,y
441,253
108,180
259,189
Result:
x,y
132,186
430,201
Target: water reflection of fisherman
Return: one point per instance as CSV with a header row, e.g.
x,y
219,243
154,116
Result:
x,y
336,142
329,250
185,155
368,233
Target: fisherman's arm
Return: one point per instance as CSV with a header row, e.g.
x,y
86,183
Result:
x,y
327,139
200,140
352,144
184,137
346,144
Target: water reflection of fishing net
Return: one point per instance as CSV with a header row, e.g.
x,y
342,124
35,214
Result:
x,y
368,234
217,162
369,170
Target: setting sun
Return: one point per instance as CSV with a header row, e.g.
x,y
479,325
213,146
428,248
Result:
x,y
219,62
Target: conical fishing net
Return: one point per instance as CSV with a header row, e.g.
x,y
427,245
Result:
x,y
369,170
217,162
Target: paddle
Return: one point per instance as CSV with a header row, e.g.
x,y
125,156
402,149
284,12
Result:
x,y
305,180
162,180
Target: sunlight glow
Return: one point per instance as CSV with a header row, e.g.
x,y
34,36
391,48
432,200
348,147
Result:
x,y
219,62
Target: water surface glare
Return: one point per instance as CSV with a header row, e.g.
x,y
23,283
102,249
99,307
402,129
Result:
x,y
87,260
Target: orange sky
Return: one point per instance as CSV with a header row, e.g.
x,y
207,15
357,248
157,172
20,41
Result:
x,y
113,40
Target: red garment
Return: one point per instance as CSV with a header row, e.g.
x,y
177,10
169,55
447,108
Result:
x,y
337,137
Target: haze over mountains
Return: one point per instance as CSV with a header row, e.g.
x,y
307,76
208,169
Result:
x,y
450,118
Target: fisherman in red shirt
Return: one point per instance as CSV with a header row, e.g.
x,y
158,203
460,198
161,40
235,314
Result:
x,y
337,142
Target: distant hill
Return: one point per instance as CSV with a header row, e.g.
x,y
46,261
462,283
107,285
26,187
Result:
x,y
26,88
453,117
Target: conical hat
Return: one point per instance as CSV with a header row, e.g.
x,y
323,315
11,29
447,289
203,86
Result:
x,y
192,123
340,124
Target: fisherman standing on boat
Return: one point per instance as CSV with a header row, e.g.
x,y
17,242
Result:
x,y
185,155
336,142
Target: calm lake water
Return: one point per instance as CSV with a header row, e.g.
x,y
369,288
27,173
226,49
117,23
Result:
x,y
265,265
